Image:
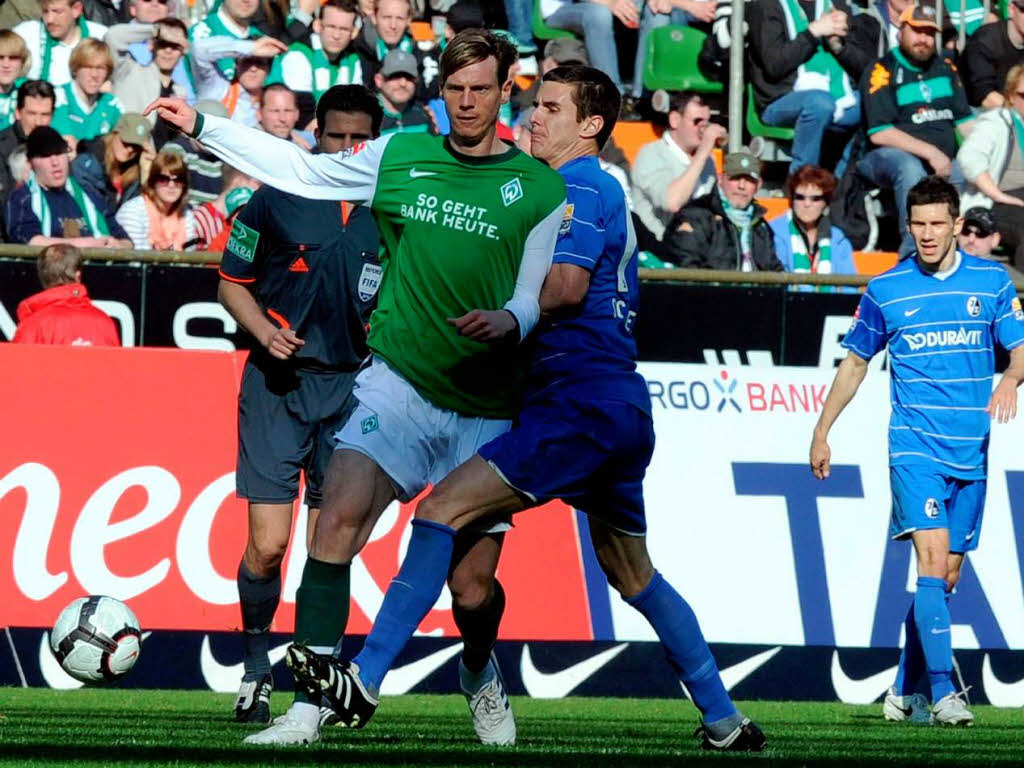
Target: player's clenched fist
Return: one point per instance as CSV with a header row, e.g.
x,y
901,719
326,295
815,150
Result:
x,y
176,112
821,454
481,325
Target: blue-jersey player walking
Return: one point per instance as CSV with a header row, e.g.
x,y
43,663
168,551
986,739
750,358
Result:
x,y
584,434
940,313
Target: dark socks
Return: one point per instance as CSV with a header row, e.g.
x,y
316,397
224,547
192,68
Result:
x,y
259,597
479,629
321,607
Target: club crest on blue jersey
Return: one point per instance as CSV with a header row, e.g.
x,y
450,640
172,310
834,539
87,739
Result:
x,y
973,306
931,508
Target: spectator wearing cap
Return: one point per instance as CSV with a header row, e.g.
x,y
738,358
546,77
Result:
x,y
52,207
726,229
61,313
83,110
396,87
52,38
992,159
989,55
160,218
676,169
33,107
330,59
112,166
979,235
466,15
390,31
13,66
805,239
914,105
138,84
805,65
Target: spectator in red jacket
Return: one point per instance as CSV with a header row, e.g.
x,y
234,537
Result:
x,y
62,312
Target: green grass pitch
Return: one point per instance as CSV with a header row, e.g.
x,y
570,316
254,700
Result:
x,y
173,728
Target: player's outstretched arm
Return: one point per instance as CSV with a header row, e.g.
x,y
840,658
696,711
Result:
x,y
280,163
1003,405
845,385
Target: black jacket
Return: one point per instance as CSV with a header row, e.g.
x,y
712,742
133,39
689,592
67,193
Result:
x,y
701,237
10,139
774,58
428,85
986,60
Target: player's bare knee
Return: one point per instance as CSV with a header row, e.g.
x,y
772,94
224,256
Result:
x,y
436,507
264,555
470,591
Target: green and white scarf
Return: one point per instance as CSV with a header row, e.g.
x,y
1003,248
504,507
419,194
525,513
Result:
x,y
219,28
822,71
743,218
405,44
41,208
802,260
348,70
47,44
8,101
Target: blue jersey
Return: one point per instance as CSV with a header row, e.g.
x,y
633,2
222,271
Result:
x,y
591,348
941,331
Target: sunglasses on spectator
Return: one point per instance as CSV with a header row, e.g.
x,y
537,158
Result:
x,y
168,44
975,232
162,2
808,198
163,178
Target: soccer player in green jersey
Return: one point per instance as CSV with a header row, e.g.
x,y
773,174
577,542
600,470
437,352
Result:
x,y
468,226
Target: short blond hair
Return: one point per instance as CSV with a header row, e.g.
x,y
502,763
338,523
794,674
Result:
x,y
1013,78
11,44
58,264
88,52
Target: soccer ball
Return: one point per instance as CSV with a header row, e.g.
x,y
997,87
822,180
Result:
x,y
96,639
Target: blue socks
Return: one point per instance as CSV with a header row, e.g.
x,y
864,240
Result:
x,y
677,628
409,598
931,614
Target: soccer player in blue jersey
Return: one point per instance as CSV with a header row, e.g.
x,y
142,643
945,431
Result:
x,y
940,313
584,434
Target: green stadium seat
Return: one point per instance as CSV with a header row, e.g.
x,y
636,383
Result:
x,y
541,30
756,128
670,61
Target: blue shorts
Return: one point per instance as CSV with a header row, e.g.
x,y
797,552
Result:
x,y
592,455
925,498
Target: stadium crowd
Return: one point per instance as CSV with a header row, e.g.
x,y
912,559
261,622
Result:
x,y
877,96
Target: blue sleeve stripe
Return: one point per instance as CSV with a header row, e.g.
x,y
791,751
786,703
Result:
x,y
1003,317
891,274
986,269
585,189
924,407
933,380
973,438
867,295
858,351
1004,289
1013,344
945,322
593,226
868,327
574,256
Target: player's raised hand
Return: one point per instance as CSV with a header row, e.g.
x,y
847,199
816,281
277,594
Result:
x,y
175,111
821,455
1003,405
483,325
283,343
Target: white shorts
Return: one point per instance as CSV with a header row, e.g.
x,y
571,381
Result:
x,y
413,441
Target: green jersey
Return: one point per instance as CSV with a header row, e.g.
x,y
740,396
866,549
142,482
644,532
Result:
x,y
73,117
307,69
458,233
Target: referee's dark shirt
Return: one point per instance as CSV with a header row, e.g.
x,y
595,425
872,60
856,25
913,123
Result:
x,y
313,267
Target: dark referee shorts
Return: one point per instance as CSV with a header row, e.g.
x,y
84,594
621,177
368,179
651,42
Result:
x,y
287,418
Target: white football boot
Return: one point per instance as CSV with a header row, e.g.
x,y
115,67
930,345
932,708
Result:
x,y
493,720
288,729
951,709
913,708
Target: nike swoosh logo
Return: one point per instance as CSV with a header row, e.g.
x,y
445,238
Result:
x,y
225,678
863,691
911,312
51,670
737,673
556,685
403,679
414,174
935,631
1001,694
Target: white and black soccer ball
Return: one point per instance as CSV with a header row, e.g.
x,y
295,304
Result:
x,y
96,639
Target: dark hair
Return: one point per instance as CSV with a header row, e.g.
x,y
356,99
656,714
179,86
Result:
x,y
37,89
348,6
931,190
594,94
474,45
350,98
678,101
173,23
275,87
815,176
